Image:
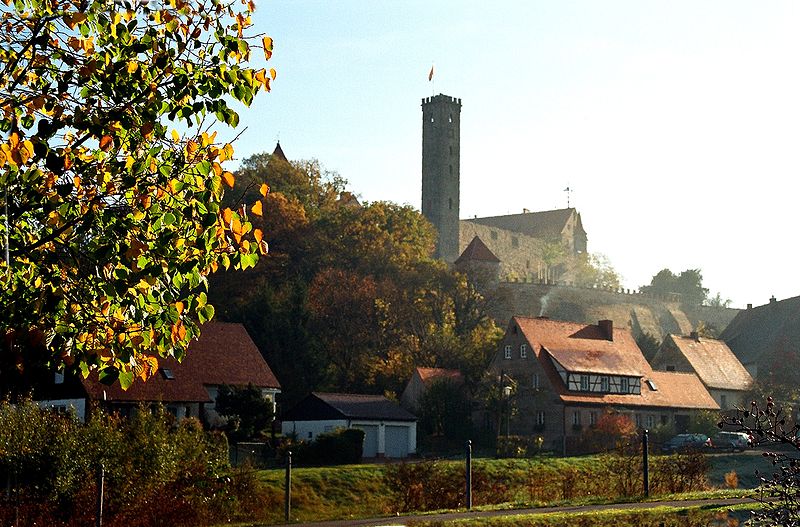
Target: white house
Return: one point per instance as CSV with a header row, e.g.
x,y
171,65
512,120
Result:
x,y
389,430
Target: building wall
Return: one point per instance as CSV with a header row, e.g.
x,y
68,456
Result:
x,y
441,129
75,406
520,255
309,430
728,399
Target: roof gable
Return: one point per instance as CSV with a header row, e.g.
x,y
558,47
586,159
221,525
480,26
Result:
x,y
224,354
757,333
430,375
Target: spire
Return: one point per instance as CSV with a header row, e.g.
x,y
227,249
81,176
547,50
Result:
x,y
278,152
477,251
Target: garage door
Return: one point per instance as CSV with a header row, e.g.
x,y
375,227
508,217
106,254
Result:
x,y
396,441
370,439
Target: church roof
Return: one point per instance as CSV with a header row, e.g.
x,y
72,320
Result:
x,y
544,224
278,152
477,251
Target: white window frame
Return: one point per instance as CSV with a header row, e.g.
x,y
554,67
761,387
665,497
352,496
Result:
x,y
584,383
535,381
592,418
508,351
523,351
624,385
540,418
576,418
605,383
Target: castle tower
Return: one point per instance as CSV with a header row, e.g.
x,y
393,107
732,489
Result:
x,y
441,127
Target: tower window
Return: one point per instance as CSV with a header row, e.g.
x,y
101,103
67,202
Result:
x,y
451,150
450,203
450,119
450,168
514,241
431,119
493,235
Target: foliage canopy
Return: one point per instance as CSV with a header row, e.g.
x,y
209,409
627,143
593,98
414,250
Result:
x,y
111,179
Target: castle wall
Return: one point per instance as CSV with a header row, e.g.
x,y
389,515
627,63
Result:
x,y
519,254
641,313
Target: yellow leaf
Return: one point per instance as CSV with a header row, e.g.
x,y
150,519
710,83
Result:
x,y
263,247
129,162
229,179
191,147
179,307
273,73
267,43
258,235
264,189
227,215
256,209
133,66
261,76
175,136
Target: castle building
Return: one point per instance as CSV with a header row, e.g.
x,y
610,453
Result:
x,y
523,243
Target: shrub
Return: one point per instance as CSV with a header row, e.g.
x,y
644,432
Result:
x,y
519,446
340,447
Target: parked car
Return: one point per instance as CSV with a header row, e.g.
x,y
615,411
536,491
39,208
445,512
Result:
x,y
685,442
731,441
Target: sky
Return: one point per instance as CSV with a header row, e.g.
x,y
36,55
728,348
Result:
x,y
676,124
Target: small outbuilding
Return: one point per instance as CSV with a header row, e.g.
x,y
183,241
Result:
x,y
389,430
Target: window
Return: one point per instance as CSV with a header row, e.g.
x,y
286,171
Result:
x,y
59,378
670,367
450,168
493,235
723,401
638,419
624,385
167,373
450,203
310,435
514,241
527,264
451,150
535,381
450,118
592,418
651,421
508,351
576,418
540,418
523,351
584,383
603,384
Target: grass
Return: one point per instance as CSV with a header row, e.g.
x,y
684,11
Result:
x,y
361,491
745,466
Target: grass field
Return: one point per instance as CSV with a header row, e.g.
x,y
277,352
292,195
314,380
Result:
x,y
362,491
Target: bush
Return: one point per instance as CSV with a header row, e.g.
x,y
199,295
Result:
x,y
519,446
156,471
340,447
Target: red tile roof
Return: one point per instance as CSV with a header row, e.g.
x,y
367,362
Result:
x,y
586,348
428,375
224,354
714,362
477,251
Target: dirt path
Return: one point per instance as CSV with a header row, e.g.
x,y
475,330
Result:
x,y
410,520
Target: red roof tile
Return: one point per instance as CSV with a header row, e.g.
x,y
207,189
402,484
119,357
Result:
x,y
714,362
224,354
477,251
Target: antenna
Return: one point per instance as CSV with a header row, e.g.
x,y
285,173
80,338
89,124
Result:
x,y
568,190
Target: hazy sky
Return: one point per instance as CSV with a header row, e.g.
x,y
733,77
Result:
x,y
676,123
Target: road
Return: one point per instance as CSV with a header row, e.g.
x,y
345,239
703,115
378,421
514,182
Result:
x,y
410,520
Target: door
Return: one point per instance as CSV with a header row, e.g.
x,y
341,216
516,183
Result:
x,y
396,441
370,440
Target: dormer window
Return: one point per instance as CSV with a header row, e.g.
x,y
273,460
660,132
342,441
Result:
x,y
624,385
523,351
584,383
604,384
167,374
508,351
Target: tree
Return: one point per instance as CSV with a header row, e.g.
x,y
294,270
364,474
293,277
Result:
x,y
111,180
249,413
595,270
444,410
688,284
770,424
648,344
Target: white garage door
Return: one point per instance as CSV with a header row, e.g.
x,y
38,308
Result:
x,y
370,439
396,441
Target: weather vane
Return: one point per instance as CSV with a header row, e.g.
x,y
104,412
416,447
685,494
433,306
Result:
x,y
569,193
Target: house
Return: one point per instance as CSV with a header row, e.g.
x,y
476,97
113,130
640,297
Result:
x,y
424,378
766,338
223,354
725,378
564,375
389,430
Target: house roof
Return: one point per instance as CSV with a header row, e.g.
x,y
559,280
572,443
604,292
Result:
x,y
756,333
224,354
544,224
587,349
714,362
429,375
477,251
319,406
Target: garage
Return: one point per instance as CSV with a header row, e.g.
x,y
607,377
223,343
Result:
x,y
396,441
370,439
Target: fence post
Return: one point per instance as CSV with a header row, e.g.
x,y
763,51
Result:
x,y
101,476
287,497
468,473
645,463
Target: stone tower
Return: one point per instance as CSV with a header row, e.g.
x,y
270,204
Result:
x,y
441,126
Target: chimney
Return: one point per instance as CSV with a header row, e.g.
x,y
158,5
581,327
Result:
x,y
772,299
607,326
749,306
694,335
525,211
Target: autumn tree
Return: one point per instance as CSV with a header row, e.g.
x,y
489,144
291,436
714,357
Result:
x,y
111,178
688,284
